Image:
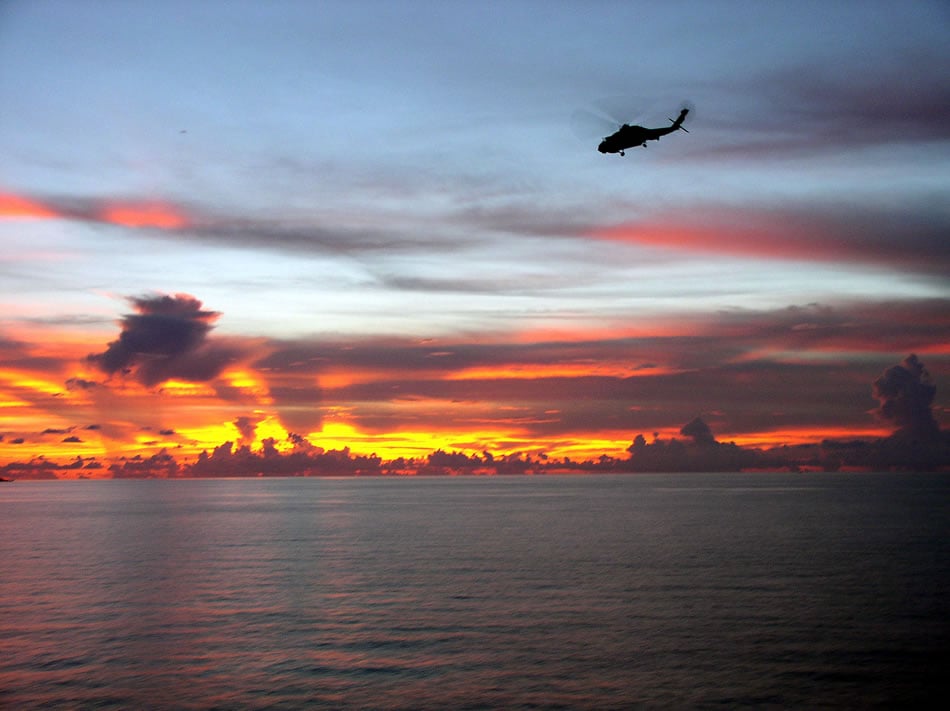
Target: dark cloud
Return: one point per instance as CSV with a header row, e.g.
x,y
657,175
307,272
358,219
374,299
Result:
x,y
80,384
247,428
299,405
161,464
808,109
36,468
702,454
694,342
697,430
906,394
908,235
879,107
167,338
73,439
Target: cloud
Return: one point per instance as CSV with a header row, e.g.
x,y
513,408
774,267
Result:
x,y
798,367
910,236
807,109
247,428
693,342
306,234
166,338
906,394
80,384
131,212
298,404
699,432
161,464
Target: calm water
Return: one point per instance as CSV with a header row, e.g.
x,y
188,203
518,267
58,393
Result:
x,y
525,592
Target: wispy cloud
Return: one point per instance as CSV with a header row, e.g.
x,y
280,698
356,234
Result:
x,y
909,237
810,109
167,219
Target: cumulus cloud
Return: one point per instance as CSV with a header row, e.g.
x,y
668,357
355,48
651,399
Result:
x,y
906,393
166,338
699,431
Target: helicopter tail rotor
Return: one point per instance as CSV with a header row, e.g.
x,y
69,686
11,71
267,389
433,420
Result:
x,y
685,108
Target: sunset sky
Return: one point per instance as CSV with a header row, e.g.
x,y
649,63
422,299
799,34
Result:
x,y
386,225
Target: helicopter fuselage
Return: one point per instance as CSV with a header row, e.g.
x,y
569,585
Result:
x,y
628,136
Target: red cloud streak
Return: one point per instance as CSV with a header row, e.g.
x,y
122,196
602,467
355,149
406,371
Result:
x,y
912,239
14,207
128,213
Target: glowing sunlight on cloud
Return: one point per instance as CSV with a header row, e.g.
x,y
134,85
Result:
x,y
14,207
395,251
157,215
126,213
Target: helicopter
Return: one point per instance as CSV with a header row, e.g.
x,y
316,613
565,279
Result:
x,y
628,136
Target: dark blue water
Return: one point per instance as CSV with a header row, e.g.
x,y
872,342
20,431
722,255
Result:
x,y
715,591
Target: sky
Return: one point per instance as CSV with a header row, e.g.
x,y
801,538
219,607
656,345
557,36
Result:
x,y
385,225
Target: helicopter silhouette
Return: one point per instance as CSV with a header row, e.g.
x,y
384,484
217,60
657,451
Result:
x,y
628,136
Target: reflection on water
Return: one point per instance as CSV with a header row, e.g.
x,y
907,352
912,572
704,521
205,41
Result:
x,y
578,592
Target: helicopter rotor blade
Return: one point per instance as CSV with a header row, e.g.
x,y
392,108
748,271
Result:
x,y
606,115
588,125
622,108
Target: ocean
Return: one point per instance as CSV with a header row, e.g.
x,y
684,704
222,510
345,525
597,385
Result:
x,y
523,592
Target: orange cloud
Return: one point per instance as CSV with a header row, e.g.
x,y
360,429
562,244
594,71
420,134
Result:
x,y
152,214
127,213
793,436
911,237
770,376
14,207
768,241
529,371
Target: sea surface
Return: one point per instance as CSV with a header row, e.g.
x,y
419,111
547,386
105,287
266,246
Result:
x,y
545,592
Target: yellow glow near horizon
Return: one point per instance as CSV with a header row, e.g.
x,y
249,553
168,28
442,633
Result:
x,y
803,436
270,428
414,444
561,370
209,436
